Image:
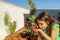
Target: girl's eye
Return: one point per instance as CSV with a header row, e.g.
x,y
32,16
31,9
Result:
x,y
40,23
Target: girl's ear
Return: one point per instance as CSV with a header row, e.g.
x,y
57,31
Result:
x,y
48,22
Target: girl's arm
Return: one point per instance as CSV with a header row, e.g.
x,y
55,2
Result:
x,y
44,35
54,34
40,37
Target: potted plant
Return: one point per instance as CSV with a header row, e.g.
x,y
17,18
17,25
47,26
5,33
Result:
x,y
10,26
31,23
29,31
34,36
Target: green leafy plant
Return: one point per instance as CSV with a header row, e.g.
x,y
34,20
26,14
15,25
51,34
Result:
x,y
32,7
11,26
6,19
30,22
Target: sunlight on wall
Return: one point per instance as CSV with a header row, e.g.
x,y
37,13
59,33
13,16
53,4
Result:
x,y
16,13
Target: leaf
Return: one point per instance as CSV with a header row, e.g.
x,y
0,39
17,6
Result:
x,y
32,7
6,19
12,27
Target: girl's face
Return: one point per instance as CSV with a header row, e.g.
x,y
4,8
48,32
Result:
x,y
42,24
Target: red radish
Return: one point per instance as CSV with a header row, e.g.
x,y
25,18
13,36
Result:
x,y
35,27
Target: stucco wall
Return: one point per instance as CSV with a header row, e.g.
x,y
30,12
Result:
x,y
15,12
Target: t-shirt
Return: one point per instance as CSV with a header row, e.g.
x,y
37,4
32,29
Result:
x,y
55,25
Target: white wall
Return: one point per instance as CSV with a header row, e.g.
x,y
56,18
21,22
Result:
x,y
15,12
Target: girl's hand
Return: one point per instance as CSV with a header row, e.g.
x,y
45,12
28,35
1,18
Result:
x,y
37,30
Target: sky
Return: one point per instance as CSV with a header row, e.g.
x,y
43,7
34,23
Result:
x,y
40,4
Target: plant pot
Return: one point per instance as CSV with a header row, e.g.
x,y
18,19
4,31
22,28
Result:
x,y
33,38
7,38
19,38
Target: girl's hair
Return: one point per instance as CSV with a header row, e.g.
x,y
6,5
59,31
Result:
x,y
46,17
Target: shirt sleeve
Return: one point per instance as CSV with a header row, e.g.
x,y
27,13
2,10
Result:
x,y
55,25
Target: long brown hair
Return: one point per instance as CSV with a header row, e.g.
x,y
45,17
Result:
x,y
46,17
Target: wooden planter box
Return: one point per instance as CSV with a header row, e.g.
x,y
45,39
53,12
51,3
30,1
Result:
x,y
33,38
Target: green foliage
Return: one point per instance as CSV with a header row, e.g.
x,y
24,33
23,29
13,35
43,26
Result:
x,y
29,29
10,25
32,11
6,18
32,19
32,7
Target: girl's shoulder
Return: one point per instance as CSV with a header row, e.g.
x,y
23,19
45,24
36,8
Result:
x,y
55,25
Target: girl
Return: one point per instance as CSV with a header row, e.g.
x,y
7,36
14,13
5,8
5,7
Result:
x,y
48,27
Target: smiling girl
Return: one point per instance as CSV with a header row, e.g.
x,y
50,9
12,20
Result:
x,y
48,27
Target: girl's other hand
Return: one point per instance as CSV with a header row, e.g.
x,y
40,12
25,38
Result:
x,y
37,30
